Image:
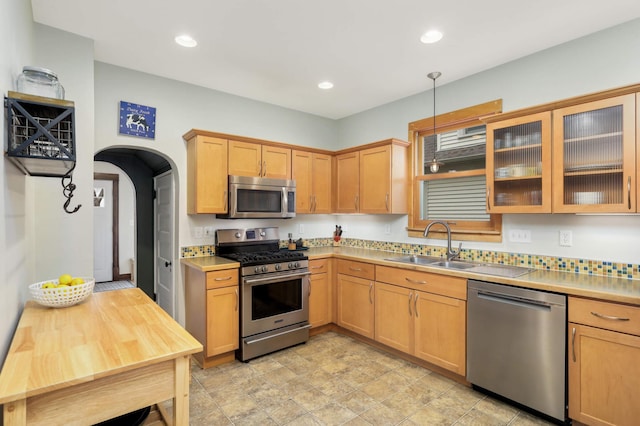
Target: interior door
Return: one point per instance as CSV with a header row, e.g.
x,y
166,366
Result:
x,y
103,230
164,228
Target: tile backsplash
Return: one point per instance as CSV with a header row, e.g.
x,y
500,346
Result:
x,y
580,266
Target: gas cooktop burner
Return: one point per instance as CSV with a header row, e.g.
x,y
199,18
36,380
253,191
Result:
x,y
264,257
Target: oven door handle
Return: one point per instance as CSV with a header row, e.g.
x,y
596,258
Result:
x,y
274,279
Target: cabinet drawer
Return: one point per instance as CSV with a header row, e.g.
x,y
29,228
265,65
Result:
x,y
608,315
356,269
425,281
224,278
319,266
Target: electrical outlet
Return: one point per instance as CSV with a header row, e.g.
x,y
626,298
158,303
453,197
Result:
x,y
387,229
198,232
300,228
566,238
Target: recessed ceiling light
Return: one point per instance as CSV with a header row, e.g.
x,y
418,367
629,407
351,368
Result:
x,y
431,37
186,41
325,85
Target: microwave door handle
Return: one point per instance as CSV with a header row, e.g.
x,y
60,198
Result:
x,y
285,202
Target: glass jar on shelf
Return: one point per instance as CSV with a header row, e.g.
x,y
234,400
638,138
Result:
x,y
40,82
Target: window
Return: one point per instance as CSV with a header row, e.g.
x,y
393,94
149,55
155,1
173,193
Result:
x,y
457,193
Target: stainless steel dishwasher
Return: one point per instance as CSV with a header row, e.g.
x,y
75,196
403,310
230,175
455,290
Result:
x,y
516,345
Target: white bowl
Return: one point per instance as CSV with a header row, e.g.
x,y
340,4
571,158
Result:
x,y
587,197
61,297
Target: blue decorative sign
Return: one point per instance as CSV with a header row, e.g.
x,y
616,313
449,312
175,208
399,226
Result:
x,y
137,120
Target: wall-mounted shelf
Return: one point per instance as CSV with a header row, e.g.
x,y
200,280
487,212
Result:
x,y
41,134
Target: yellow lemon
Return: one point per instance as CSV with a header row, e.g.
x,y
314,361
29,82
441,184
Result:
x,y
77,281
48,285
65,279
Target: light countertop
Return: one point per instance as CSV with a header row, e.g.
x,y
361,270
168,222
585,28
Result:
x,y
595,286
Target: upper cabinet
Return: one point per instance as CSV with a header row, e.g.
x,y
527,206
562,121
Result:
x,y
594,167
580,155
254,159
206,174
519,165
312,173
373,179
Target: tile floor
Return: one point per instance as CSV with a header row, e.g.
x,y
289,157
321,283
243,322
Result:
x,y
335,380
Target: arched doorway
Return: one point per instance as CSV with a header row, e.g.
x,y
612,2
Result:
x,y
142,166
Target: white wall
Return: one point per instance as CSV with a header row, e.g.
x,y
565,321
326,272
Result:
x,y
601,61
16,47
126,214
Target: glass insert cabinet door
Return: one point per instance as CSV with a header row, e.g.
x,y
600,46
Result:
x,y
519,164
594,157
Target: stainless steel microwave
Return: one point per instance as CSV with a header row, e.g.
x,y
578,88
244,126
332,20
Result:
x,y
260,198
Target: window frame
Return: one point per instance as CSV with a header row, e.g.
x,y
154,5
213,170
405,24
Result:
x,y
490,231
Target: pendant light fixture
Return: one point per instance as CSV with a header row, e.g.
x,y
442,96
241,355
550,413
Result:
x,y
434,165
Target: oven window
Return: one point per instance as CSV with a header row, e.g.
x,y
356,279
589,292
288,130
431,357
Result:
x,y
278,298
259,200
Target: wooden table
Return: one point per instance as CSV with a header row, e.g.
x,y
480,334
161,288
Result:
x,y
114,353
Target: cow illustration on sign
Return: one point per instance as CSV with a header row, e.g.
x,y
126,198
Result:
x,y
137,120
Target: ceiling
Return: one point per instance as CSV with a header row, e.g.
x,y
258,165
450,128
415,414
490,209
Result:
x,y
277,51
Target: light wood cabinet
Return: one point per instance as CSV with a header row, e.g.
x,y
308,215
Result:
x,y
355,297
519,165
312,173
422,314
604,374
212,313
254,159
578,155
320,294
594,162
373,179
207,175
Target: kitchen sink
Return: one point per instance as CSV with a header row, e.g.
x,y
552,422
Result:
x,y
454,264
416,259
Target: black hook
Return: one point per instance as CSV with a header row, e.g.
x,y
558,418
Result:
x,y
67,191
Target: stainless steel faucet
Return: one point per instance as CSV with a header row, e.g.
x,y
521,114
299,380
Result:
x,y
451,254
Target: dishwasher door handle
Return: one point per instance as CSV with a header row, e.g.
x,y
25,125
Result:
x,y
514,300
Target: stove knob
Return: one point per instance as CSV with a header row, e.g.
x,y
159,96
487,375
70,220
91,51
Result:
x,y
278,266
263,234
264,268
290,265
257,269
238,235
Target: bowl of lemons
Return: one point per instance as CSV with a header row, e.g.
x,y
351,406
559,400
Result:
x,y
65,291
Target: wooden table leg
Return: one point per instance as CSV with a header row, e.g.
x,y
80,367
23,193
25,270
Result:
x,y
181,399
15,413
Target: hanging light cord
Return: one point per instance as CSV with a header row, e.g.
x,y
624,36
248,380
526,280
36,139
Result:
x,y
67,190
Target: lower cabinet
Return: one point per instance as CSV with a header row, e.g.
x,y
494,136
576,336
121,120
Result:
x,y
319,293
604,367
422,314
212,313
355,304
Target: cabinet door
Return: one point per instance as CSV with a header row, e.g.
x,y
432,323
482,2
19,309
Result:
x,y
301,172
206,175
519,165
594,157
440,331
347,182
604,376
375,180
355,304
245,158
276,162
394,316
319,299
223,320
321,183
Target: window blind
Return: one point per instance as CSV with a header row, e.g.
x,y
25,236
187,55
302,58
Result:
x,y
462,198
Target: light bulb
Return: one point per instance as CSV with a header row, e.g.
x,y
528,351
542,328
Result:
x,y
435,166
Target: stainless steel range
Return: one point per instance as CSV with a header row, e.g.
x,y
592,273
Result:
x,y
274,290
